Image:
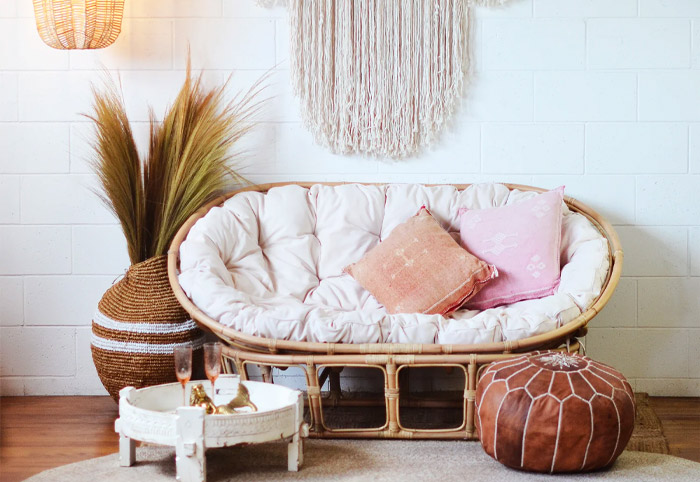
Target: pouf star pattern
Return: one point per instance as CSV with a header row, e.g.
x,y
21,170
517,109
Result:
x,y
554,412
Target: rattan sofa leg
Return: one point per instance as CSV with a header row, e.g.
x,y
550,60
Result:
x,y
266,371
313,391
470,397
392,396
334,385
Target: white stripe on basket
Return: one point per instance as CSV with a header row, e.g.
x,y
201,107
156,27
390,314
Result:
x,y
150,328
144,348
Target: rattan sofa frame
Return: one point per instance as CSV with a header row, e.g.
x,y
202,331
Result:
x,y
325,361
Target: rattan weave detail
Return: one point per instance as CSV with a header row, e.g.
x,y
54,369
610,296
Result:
x,y
143,296
78,24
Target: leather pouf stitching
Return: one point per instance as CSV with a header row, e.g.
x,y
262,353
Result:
x,y
554,412
137,324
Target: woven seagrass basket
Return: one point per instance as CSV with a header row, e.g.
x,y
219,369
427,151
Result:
x,y
137,324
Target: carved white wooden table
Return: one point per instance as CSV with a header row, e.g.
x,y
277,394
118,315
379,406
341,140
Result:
x,y
156,415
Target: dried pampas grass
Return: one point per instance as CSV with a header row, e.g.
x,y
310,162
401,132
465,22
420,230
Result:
x,y
189,161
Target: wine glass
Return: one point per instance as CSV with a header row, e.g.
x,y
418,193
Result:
x,y
212,363
183,367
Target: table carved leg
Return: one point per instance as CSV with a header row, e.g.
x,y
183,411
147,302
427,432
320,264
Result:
x,y
295,449
190,460
127,451
127,445
295,453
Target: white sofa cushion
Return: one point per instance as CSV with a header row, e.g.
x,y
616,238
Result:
x,y
271,264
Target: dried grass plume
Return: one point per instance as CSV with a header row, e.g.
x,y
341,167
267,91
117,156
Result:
x,y
190,159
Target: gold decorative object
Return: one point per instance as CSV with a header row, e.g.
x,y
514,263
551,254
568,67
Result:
x,y
199,398
78,24
242,399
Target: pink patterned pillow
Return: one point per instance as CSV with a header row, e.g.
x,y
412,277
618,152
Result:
x,y
419,268
523,241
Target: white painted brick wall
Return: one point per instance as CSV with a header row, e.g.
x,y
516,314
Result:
x,y
654,250
695,148
23,154
601,96
611,196
28,52
669,96
669,8
35,250
61,199
225,43
11,300
9,199
99,250
8,99
680,306
532,148
585,96
518,9
37,351
500,96
585,8
43,293
621,311
146,46
54,96
522,44
656,147
695,47
8,9
663,199
638,44
694,354
694,240
176,8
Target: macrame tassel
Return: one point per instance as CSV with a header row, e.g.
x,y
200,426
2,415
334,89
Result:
x,y
379,77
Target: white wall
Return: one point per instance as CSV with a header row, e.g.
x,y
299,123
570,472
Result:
x,y
600,95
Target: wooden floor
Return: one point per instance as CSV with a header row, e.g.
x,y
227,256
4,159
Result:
x,y
38,433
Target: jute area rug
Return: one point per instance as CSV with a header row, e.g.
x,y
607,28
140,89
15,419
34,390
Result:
x,y
384,460
360,460
648,435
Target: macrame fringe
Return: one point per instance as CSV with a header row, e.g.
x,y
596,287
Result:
x,y
378,77
481,3
271,3
471,3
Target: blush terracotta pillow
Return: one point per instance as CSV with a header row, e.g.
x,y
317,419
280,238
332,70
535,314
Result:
x,y
522,240
419,268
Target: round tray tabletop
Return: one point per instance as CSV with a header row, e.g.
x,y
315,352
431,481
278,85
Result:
x,y
158,415
151,414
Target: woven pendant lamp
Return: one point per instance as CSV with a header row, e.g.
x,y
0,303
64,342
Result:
x,y
78,24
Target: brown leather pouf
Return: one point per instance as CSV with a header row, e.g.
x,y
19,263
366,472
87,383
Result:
x,y
554,412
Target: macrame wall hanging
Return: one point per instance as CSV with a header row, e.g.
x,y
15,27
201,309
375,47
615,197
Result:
x,y
378,77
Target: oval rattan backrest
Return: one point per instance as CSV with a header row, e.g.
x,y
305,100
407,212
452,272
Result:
x,y
267,345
